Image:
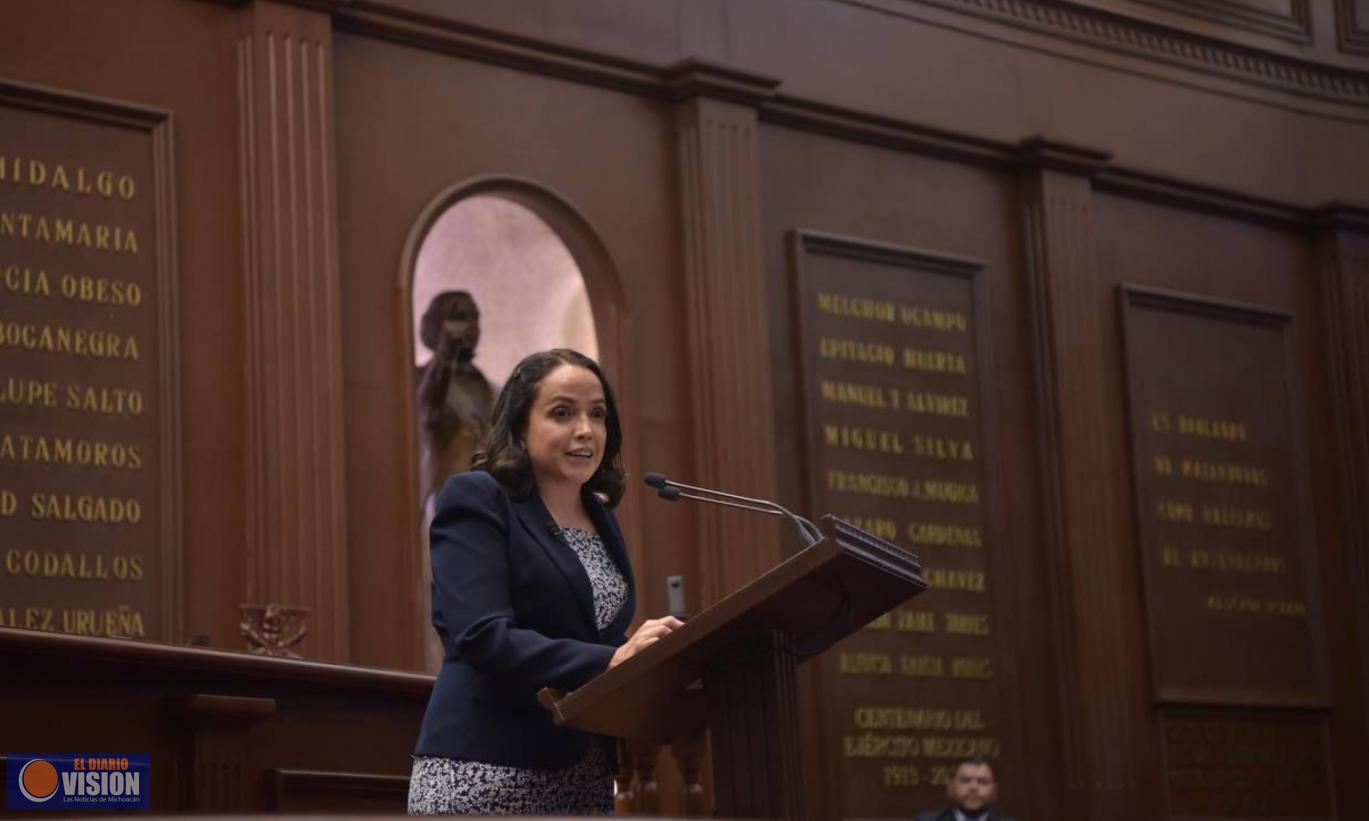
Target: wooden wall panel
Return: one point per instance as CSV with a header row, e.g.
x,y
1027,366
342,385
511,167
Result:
x,y
1228,259
891,121
1286,19
1352,25
176,58
836,187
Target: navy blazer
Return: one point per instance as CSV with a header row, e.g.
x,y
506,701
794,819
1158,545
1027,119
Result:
x,y
515,612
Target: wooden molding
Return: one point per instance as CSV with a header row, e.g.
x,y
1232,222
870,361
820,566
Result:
x,y
698,78
1119,33
1352,26
1295,27
1056,155
17,644
303,791
376,19
1102,29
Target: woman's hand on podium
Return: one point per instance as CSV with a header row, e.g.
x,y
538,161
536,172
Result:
x,y
648,634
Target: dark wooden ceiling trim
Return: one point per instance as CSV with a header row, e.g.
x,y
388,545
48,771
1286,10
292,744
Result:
x,y
375,18
1118,33
1295,27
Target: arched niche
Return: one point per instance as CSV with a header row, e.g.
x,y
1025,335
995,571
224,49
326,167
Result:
x,y
559,229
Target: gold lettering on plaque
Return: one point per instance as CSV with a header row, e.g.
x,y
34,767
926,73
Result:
x,y
867,664
921,666
853,350
944,535
915,621
101,291
70,452
1248,605
1223,472
883,528
903,718
122,621
26,281
871,439
104,401
1172,511
76,341
75,233
895,776
855,307
64,507
869,745
1203,427
49,564
850,393
936,447
918,359
883,622
959,747
77,180
9,503
30,393
971,667
937,404
967,624
969,581
1226,561
933,318
925,490
1284,607
1241,518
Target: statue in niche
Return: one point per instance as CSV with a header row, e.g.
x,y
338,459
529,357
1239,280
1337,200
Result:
x,y
455,402
455,399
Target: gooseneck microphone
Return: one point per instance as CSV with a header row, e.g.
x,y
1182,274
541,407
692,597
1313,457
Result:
x,y
673,491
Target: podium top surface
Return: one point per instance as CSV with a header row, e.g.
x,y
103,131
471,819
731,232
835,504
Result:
x,y
812,600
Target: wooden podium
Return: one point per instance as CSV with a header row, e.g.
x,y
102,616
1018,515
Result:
x,y
733,667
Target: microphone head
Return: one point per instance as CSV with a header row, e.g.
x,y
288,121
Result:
x,y
654,480
670,494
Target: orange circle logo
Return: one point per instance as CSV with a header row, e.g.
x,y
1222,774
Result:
x,y
38,780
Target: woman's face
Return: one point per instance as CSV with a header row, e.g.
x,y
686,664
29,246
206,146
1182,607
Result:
x,y
567,427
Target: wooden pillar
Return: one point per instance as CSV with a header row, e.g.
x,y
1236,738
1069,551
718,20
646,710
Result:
x,y
1086,546
1344,262
296,537
727,312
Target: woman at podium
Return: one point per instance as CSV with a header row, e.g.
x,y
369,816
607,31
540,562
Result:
x,y
531,588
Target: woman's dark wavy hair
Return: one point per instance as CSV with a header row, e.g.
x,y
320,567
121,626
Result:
x,y
503,454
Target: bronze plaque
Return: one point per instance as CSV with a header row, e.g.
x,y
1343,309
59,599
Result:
x,y
1224,766
895,366
1222,509
88,451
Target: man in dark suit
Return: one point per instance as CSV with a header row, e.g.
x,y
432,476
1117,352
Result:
x,y
972,790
